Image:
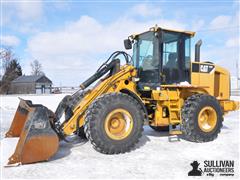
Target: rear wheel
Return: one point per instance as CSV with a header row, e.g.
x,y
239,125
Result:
x,y
114,123
202,118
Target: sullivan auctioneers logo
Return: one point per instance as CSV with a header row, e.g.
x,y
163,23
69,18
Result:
x,y
212,168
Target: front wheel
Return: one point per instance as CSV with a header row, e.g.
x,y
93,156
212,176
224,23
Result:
x,y
114,123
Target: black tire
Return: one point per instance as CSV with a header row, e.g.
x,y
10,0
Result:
x,y
160,128
75,99
80,132
190,111
95,119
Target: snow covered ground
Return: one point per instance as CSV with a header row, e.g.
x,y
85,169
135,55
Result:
x,y
154,157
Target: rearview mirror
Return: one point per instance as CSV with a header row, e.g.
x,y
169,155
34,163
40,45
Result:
x,y
127,44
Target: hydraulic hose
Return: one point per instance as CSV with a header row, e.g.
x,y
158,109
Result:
x,y
113,64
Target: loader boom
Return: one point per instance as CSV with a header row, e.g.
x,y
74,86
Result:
x,y
114,83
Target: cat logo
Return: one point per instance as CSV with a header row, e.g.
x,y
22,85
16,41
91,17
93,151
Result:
x,y
206,68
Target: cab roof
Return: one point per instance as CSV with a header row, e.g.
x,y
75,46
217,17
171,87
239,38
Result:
x,y
156,28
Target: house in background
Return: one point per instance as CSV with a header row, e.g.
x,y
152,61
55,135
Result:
x,y
37,84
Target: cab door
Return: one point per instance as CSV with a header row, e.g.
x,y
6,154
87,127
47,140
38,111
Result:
x,y
148,63
175,57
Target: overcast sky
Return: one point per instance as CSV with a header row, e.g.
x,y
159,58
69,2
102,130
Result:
x,y
71,39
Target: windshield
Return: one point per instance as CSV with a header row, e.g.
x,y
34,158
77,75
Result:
x,y
146,56
143,52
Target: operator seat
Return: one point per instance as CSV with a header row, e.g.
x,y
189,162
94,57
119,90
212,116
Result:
x,y
170,70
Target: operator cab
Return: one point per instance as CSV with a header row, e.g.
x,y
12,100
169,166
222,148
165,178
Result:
x,y
161,56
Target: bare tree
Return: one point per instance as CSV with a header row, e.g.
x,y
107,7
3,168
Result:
x,y
36,68
11,69
6,55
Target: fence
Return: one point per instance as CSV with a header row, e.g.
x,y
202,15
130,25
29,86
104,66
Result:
x,y
64,90
70,90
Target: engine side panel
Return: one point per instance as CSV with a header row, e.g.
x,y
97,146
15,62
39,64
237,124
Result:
x,y
215,79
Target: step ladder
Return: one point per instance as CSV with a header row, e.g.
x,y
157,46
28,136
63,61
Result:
x,y
174,133
174,118
174,111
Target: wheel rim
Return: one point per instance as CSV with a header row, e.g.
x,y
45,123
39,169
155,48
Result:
x,y
118,124
207,119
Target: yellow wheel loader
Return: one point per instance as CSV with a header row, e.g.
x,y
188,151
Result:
x,y
158,86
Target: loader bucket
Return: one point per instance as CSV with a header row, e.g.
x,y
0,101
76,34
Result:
x,y
37,140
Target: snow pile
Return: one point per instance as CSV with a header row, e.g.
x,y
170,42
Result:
x,y
8,148
154,157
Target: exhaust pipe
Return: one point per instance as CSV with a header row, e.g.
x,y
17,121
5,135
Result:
x,y
197,50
